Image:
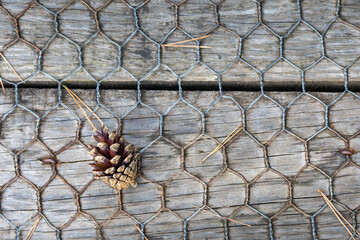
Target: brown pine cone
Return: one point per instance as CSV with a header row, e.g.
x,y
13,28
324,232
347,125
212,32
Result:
x,y
115,161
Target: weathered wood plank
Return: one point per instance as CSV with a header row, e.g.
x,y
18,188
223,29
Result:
x,y
231,179
228,179
156,18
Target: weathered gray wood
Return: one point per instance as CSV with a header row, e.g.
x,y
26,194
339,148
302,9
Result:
x,y
157,17
227,176
231,178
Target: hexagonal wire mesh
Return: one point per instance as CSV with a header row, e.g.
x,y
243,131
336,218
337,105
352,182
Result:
x,y
79,39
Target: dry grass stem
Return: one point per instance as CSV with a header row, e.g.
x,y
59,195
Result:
x,y
2,55
178,44
338,215
83,111
71,92
32,230
226,140
229,219
137,227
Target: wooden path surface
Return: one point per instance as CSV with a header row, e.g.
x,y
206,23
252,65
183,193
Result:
x,y
268,176
279,175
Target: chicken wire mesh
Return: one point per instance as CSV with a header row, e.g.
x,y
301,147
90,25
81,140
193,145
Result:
x,y
107,40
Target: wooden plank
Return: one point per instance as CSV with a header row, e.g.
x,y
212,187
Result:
x,y
232,177
139,55
228,179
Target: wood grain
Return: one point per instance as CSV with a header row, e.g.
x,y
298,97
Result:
x,y
266,177
231,178
232,42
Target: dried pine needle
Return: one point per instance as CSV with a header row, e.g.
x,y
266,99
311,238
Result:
x,y
1,82
178,44
229,219
83,111
332,206
2,86
226,140
137,227
183,46
189,40
337,214
72,93
32,230
12,68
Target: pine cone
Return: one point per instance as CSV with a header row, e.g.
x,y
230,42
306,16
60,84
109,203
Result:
x,y
115,161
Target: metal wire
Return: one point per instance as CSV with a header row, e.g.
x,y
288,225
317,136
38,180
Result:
x,y
162,116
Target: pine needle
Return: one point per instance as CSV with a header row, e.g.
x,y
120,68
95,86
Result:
x,y
83,111
338,215
226,140
229,219
184,46
177,44
2,86
137,227
71,92
32,230
13,69
189,40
